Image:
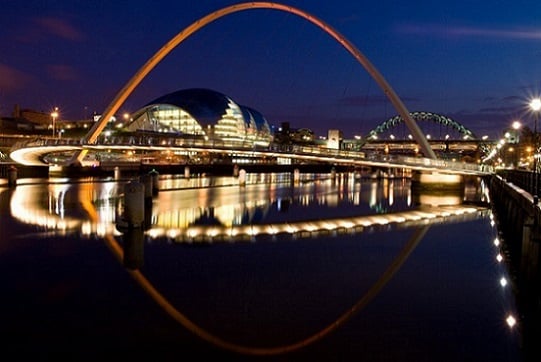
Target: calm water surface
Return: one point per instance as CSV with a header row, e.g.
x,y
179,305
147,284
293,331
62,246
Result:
x,y
77,286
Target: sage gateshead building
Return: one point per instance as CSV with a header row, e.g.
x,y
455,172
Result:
x,y
202,114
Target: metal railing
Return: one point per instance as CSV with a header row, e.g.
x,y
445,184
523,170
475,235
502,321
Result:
x,y
527,180
305,152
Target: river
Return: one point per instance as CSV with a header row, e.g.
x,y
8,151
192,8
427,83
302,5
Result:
x,y
320,269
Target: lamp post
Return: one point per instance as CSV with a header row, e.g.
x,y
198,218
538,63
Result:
x,y
535,105
54,115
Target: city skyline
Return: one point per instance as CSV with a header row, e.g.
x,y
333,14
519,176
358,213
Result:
x,y
474,64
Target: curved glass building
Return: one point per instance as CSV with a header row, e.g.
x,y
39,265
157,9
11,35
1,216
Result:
x,y
203,113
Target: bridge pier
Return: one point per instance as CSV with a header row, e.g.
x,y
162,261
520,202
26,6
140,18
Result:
x,y
433,188
437,181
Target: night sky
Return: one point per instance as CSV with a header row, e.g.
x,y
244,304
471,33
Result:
x,y
477,62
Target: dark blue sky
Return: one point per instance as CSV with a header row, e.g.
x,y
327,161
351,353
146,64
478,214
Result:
x,y
477,62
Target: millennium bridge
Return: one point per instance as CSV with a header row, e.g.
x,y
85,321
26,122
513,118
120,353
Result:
x,y
32,153
516,205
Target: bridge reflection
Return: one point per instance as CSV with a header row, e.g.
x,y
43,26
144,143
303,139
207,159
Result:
x,y
47,204
230,213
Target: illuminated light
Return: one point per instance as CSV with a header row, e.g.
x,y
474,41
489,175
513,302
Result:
x,y
310,227
253,231
503,282
291,229
381,221
511,321
497,242
191,233
173,233
212,232
330,226
499,258
347,225
155,232
272,230
61,225
535,104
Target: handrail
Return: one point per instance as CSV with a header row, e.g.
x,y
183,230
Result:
x,y
273,149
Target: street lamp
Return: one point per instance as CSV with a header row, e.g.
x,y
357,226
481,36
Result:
x,y
535,105
54,115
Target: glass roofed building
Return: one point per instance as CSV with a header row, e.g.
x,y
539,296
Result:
x,y
202,113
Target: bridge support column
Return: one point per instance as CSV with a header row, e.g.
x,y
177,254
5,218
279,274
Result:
x,y
134,204
134,248
12,176
155,176
433,188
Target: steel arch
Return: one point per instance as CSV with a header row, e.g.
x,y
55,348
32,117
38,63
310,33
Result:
x,y
184,34
421,116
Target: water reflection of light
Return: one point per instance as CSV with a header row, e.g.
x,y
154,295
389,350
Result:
x,y
310,228
437,200
25,207
224,216
373,194
357,194
391,193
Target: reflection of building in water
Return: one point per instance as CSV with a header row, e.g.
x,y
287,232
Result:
x,y
46,207
64,207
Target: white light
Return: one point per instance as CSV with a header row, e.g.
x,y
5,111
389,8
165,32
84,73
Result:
x,y
511,321
497,242
503,282
535,104
499,258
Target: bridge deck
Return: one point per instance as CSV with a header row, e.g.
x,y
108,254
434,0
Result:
x,y
32,153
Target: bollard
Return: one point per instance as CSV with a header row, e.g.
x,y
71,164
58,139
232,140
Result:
x,y
117,173
242,177
134,204
155,178
236,170
333,173
12,176
186,171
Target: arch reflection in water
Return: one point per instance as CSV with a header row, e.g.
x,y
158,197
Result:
x,y
218,341
132,256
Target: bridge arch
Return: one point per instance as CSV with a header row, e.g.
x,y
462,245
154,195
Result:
x,y
421,116
121,97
